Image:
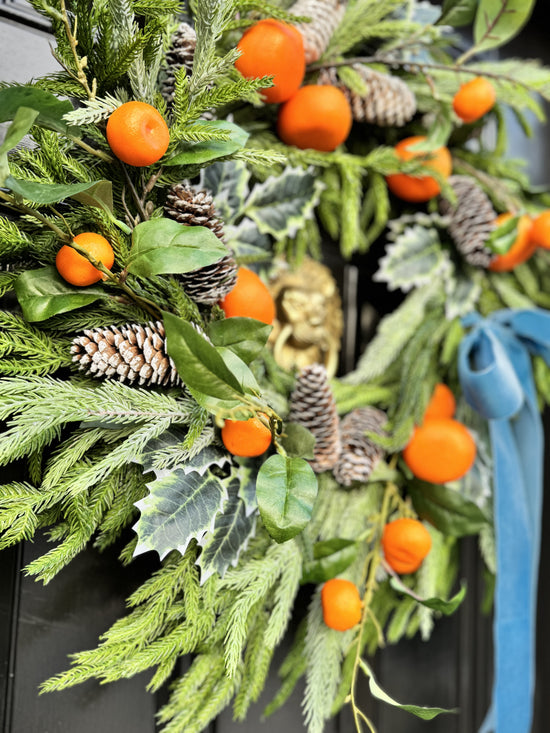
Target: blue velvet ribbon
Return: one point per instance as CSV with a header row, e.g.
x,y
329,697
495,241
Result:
x,y
494,365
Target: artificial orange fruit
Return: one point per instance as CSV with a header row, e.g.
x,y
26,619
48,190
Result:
x,y
246,438
474,99
442,403
341,603
250,298
75,268
273,48
317,117
405,543
540,232
522,248
418,189
440,450
137,133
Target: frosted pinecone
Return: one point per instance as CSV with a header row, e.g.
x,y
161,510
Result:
x,y
180,55
472,220
388,102
312,405
131,353
359,454
193,207
325,18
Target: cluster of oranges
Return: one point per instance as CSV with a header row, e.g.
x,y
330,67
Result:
x,y
310,116
441,448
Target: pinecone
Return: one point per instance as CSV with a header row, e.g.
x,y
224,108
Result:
x,y
312,405
472,220
359,454
180,55
195,208
388,103
132,352
325,18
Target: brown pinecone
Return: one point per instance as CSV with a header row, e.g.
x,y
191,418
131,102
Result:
x,y
132,352
472,220
195,208
359,454
388,102
325,18
312,405
180,55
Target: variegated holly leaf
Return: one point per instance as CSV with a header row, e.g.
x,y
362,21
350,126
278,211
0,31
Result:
x,y
245,239
415,259
232,530
280,205
246,473
180,507
228,184
211,455
462,292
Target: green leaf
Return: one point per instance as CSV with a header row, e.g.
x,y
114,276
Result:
x,y
286,489
457,12
43,294
22,123
244,336
201,367
298,441
436,604
497,21
440,131
446,509
331,557
50,108
503,237
416,258
222,547
240,370
163,246
51,193
227,181
180,506
281,204
203,152
424,713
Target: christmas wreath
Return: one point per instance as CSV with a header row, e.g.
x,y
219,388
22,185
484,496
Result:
x,y
170,335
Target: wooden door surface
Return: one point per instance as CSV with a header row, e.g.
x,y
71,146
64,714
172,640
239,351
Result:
x,y
40,626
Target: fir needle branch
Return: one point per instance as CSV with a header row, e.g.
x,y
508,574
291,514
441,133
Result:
x,y
81,63
12,203
138,202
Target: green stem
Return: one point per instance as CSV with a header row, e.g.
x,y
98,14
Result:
x,y
93,151
138,202
13,203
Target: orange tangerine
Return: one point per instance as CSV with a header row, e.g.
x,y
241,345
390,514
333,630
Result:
x,y
405,543
418,189
440,450
341,603
246,438
442,403
273,48
75,268
137,133
474,99
250,298
522,248
540,233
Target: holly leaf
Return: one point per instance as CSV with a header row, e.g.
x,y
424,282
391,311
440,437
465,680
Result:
x,y
22,122
425,713
246,337
462,293
211,455
457,12
415,259
497,21
286,489
245,239
93,193
203,152
330,558
232,530
180,507
163,246
50,109
228,183
247,473
446,509
447,608
43,293
280,205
